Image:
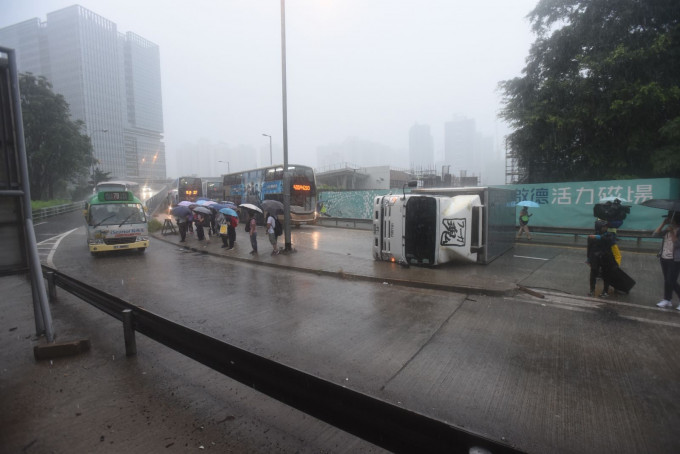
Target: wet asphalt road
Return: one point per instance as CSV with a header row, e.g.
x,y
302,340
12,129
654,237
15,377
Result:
x,y
558,374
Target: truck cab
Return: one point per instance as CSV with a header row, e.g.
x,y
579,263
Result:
x,y
467,224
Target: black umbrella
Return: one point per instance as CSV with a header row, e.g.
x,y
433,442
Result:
x,y
180,211
663,204
274,207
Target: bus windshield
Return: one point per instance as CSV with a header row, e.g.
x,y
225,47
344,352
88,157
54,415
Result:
x,y
189,188
116,214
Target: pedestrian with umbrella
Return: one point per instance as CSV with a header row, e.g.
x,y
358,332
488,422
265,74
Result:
x,y
669,257
271,232
222,221
251,224
274,207
228,223
611,210
181,214
600,257
252,230
202,214
524,218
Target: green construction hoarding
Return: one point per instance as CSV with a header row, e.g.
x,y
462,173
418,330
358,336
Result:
x,y
570,204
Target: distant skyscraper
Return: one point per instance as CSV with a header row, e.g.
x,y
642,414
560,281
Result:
x,y
112,82
358,152
420,147
459,143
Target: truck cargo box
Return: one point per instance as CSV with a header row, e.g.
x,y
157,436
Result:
x,y
440,225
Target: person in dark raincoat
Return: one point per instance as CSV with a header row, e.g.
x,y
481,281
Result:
x,y
182,223
199,219
600,257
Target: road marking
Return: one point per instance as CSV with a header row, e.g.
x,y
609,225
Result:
x,y
53,244
532,258
588,304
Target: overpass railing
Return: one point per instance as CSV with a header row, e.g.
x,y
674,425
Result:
x,y
384,424
347,223
578,233
44,213
152,204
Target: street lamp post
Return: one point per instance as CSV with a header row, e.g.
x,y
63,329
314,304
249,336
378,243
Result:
x,y
270,147
228,171
286,177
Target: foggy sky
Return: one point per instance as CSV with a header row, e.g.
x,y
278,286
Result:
x,y
366,69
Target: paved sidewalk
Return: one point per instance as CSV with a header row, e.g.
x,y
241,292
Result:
x,y
347,253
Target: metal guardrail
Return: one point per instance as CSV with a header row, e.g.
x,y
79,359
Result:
x,y
637,235
347,223
44,213
152,204
376,421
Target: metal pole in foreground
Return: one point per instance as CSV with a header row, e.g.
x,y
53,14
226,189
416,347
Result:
x,y
129,333
286,177
40,301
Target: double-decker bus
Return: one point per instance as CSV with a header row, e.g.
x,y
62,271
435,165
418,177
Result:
x,y
266,183
214,190
116,220
189,188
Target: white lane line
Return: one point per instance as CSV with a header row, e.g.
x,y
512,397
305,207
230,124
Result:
x,y
57,239
590,305
532,258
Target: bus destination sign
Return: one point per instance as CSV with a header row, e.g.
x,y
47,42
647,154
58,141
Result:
x,y
117,196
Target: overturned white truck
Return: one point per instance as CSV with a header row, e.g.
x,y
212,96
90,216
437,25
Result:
x,y
431,226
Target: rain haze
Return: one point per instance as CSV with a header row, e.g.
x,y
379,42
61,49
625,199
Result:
x,y
356,70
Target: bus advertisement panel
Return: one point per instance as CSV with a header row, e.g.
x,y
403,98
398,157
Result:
x,y
189,188
116,220
266,183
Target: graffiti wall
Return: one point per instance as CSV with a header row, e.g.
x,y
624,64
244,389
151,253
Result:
x,y
349,204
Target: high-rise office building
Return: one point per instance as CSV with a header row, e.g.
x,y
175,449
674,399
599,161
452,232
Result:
x,y
459,143
111,81
421,147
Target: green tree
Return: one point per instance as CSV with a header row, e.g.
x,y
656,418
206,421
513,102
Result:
x,y
56,149
98,176
599,97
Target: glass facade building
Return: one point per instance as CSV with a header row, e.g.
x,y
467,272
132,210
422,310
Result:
x,y
111,81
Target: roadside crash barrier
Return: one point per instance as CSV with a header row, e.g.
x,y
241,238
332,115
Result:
x,y
379,422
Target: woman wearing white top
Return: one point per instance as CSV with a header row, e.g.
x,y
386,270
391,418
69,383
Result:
x,y
271,222
669,258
